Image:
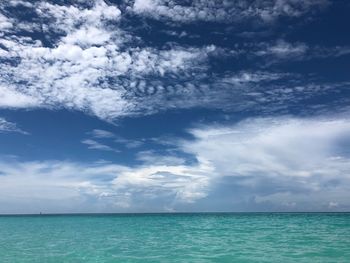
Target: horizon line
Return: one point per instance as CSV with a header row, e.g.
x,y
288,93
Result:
x,y
169,213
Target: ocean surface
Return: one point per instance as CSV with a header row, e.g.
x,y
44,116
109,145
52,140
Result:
x,y
237,237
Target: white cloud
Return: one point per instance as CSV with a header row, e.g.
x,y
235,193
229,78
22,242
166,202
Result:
x,y
68,17
277,147
20,3
278,161
185,183
10,98
88,67
26,187
87,36
7,126
5,23
225,11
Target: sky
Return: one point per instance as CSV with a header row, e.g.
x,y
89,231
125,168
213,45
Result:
x,y
174,106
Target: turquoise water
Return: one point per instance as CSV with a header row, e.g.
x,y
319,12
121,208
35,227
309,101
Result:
x,y
176,238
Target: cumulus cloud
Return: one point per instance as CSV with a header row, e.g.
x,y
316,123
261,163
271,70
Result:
x,y
10,98
182,183
280,147
87,65
303,161
5,23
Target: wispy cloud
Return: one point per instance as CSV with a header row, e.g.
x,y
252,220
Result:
x,y
282,51
98,133
7,126
153,158
128,143
95,145
113,139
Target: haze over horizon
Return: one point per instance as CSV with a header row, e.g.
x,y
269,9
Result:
x,y
167,105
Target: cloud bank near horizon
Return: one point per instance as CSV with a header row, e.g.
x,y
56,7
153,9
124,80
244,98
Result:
x,y
279,164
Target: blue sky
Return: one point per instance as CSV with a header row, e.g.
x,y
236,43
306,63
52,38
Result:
x,y
164,105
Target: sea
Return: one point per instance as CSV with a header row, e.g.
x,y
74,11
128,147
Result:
x,y
176,237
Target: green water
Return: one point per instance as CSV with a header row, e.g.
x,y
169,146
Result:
x,y
176,238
